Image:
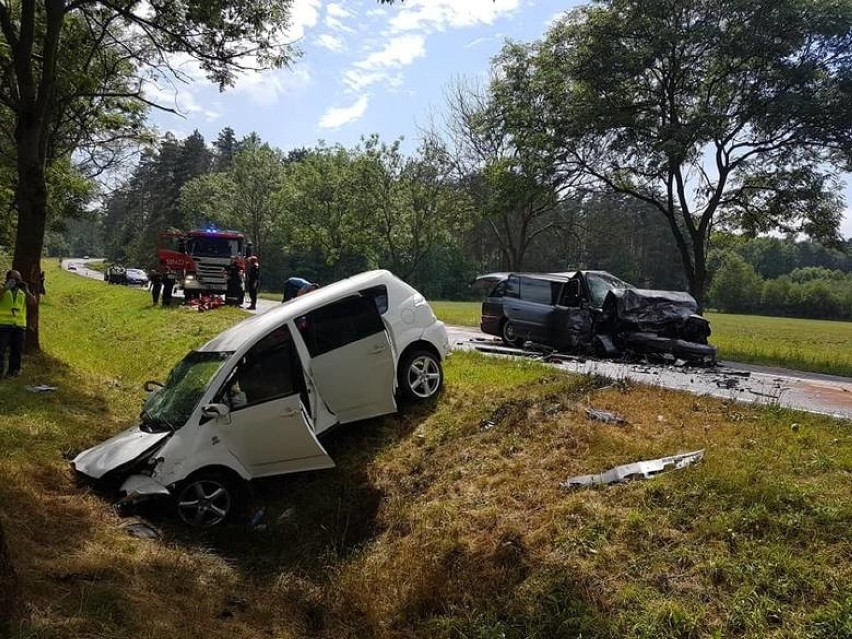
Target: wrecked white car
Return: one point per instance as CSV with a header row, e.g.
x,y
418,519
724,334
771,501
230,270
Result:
x,y
594,312
252,402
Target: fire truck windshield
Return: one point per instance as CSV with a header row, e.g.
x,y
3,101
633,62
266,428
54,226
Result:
x,y
213,247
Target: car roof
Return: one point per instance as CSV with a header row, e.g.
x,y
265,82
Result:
x,y
253,329
550,277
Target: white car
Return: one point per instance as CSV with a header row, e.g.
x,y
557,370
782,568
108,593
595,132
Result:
x,y
252,401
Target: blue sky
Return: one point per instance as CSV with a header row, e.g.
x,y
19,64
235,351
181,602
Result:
x,y
365,68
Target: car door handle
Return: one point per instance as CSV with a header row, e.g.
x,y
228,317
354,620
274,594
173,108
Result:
x,y
378,349
290,413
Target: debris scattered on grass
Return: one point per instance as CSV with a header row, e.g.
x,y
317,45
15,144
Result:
x,y
605,416
41,388
637,470
142,529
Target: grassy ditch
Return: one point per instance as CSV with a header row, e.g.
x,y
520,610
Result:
x,y
809,345
445,521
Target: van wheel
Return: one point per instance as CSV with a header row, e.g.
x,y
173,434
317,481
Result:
x,y
206,500
509,334
420,376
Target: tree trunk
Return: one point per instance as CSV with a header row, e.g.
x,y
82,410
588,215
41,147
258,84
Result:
x,y
10,589
31,197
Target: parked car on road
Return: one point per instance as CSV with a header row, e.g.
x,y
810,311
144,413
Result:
x,y
253,401
594,311
136,277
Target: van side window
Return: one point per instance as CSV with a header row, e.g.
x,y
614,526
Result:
x,y
538,291
267,372
513,287
340,323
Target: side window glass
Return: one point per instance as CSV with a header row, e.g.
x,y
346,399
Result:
x,y
336,325
499,290
513,287
379,295
571,294
537,291
267,372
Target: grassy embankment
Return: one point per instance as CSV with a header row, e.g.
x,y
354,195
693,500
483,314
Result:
x,y
809,345
447,521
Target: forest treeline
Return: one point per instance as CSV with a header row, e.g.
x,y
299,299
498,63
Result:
x,y
327,212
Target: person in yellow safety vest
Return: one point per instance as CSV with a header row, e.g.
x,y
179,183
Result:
x,y
13,322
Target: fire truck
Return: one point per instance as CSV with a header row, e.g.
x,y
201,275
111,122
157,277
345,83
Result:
x,y
199,258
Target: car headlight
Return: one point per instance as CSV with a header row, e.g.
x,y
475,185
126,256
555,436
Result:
x,y
189,278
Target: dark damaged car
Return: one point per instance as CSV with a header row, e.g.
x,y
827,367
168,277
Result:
x,y
594,312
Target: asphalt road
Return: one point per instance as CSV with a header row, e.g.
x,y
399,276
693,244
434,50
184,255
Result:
x,y
811,392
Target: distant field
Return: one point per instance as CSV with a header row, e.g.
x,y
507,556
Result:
x,y
810,345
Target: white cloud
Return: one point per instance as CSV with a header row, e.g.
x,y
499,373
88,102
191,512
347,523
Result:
x,y
267,87
335,15
437,15
383,66
337,11
330,42
303,15
398,52
336,117
476,42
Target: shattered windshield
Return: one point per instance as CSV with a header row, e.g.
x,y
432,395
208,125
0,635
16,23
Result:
x,y
172,405
602,283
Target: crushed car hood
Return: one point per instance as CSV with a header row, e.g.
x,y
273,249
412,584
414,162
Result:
x,y
117,451
645,307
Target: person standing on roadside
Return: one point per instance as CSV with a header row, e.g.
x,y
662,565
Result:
x,y
156,280
253,280
168,286
13,322
234,294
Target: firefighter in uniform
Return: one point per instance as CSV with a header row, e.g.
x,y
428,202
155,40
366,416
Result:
x,y
13,322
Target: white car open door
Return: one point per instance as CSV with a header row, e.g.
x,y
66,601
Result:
x,y
352,360
269,429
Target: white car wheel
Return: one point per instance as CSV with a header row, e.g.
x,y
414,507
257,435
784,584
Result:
x,y
206,500
421,376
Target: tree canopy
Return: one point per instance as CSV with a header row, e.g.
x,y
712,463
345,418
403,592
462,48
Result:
x,y
717,114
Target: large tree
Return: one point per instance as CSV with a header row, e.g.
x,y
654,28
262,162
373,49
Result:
x,y
242,197
514,187
734,113
51,47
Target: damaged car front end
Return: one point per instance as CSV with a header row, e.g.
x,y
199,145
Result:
x,y
596,313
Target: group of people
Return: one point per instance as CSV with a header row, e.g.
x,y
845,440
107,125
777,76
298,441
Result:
x,y
13,322
238,284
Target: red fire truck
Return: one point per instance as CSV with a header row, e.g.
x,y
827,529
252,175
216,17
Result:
x,y
199,258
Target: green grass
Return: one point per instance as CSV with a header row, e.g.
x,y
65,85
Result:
x,y
809,345
445,521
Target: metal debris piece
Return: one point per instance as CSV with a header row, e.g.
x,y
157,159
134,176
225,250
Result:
x,y
41,388
637,470
142,529
605,416
728,383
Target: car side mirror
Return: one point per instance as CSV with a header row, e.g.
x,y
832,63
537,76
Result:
x,y
151,385
214,411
